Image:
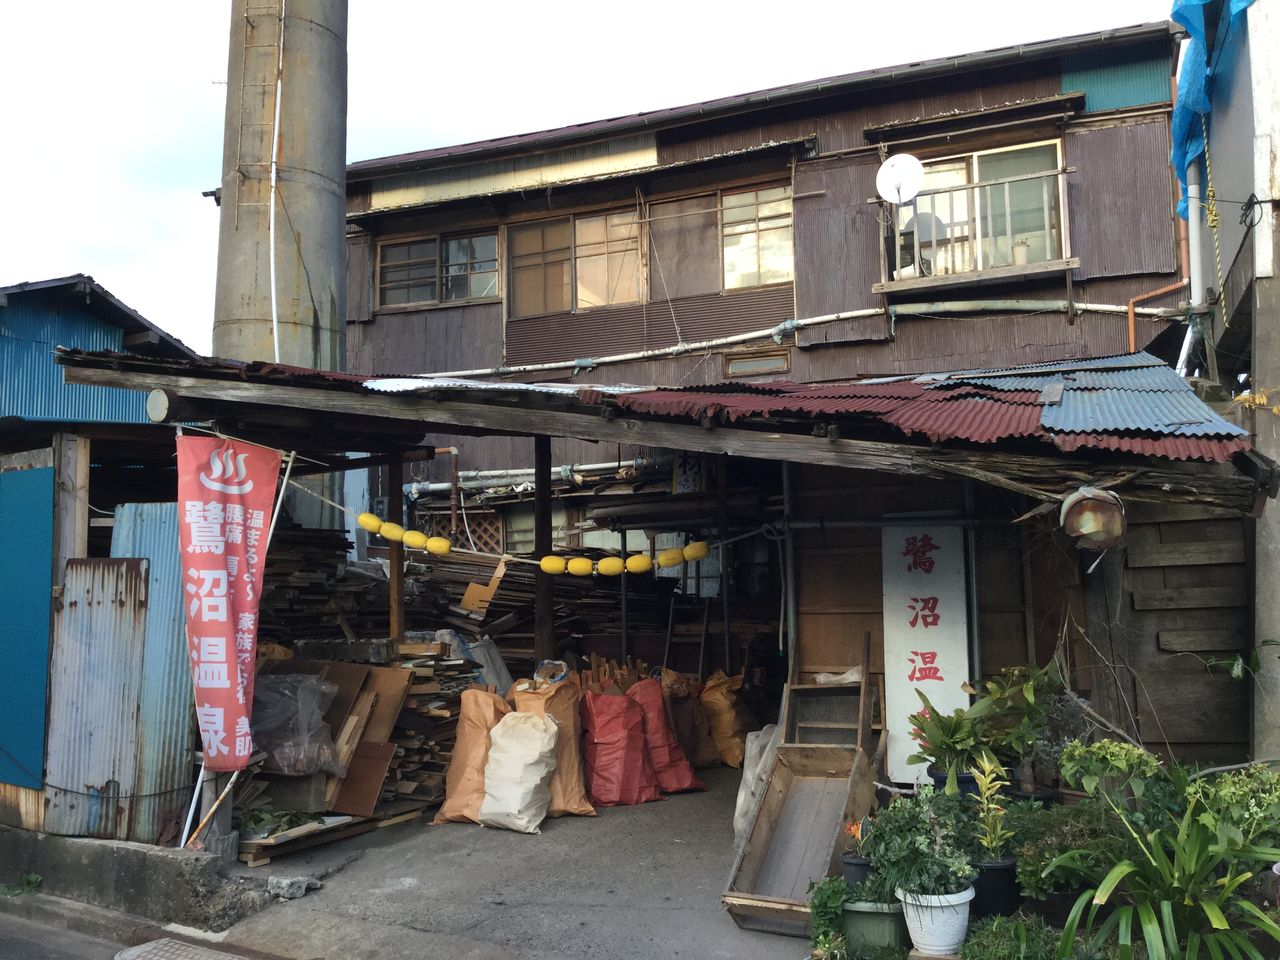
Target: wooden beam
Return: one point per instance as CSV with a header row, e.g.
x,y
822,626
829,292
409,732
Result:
x,y
1042,477
1200,641
544,640
395,513
1190,598
1186,554
70,502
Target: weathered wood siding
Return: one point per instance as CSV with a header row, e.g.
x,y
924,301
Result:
x,y
1176,597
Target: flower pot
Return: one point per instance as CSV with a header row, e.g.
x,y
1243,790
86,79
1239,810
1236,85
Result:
x,y
855,868
1045,796
1021,252
996,890
1056,907
937,923
965,780
875,924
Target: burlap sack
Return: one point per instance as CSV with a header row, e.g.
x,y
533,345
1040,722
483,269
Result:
x,y
731,721
688,720
559,701
464,781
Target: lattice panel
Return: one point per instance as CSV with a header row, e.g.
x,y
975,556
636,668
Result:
x,y
485,526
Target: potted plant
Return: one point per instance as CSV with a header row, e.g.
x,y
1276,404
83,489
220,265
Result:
x,y
918,842
949,743
1017,720
996,886
873,914
1119,770
1021,252
826,910
1011,938
853,862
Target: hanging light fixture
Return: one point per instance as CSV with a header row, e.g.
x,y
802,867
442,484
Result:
x,y
1093,518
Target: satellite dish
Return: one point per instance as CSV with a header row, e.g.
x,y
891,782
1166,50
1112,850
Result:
x,y
899,178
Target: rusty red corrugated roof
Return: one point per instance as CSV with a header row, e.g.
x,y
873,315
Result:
x,y
978,419
1212,449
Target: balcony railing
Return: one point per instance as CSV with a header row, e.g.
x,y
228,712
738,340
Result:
x,y
997,225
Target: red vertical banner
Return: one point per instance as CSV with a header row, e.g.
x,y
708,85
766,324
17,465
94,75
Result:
x,y
226,492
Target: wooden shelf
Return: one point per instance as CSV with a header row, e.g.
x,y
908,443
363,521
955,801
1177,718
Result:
x,y
827,686
827,724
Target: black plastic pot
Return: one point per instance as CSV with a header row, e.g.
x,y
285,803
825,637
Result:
x,y
1057,906
1045,796
855,868
965,780
996,891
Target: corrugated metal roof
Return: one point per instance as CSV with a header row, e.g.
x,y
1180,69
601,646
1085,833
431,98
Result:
x,y
95,675
977,419
1162,379
1215,450
150,530
1116,411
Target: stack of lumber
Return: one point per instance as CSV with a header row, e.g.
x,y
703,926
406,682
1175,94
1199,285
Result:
x,y
257,853
427,724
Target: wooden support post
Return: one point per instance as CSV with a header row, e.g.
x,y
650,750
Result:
x,y
623,591
395,513
722,488
71,501
544,640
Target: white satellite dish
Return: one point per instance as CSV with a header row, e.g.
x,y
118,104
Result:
x,y
899,178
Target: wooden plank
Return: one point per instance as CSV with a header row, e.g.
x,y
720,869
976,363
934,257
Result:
x,y
1201,641
1186,554
395,513
390,685
1181,702
1190,598
71,501
362,785
1172,512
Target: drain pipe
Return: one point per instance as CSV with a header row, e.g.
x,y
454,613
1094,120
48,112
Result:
x,y
453,488
1195,271
465,479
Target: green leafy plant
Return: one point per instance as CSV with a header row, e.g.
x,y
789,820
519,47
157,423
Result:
x,y
1114,766
1016,715
1178,896
1010,938
1245,803
862,951
25,884
920,843
829,946
993,836
950,742
878,887
1045,834
826,907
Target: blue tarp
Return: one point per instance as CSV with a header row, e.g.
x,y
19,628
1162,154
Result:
x,y
1195,83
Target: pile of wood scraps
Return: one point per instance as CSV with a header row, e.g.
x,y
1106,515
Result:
x,y
257,853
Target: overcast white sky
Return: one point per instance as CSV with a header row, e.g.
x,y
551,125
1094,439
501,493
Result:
x,y
113,112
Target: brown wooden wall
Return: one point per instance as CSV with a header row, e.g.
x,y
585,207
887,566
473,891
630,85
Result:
x,y
1160,609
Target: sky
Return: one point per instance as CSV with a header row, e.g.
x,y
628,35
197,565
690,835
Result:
x,y
114,113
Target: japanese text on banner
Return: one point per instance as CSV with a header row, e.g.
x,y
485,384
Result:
x,y
226,492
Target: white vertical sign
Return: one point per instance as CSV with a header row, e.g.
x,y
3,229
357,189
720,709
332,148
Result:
x,y
926,632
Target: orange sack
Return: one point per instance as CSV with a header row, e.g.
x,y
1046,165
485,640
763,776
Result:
x,y
464,782
670,766
617,763
688,719
560,702
731,721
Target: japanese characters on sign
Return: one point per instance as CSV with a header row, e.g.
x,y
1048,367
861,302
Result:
x,y
926,630
226,491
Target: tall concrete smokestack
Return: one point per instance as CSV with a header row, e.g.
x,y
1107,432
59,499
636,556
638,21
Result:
x,y
308,208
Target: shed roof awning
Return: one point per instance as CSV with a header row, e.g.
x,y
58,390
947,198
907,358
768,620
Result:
x,y
1043,430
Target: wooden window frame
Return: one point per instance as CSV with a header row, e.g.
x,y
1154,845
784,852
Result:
x,y
720,234
440,240
642,238
727,360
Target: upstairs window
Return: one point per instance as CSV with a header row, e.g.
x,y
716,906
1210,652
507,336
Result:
x,y
756,237
437,269
574,263
982,211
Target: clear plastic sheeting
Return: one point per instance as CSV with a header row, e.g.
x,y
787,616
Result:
x,y
288,723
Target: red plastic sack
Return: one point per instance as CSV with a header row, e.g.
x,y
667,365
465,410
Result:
x,y
670,766
616,761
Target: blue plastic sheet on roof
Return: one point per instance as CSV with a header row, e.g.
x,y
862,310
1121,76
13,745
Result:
x,y
1195,84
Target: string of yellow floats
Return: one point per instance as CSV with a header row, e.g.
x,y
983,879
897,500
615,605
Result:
x,y
553,564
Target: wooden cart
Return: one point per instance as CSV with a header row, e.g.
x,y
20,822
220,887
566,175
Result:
x,y
814,789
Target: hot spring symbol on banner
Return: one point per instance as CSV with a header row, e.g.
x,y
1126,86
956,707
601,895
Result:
x,y
226,492
926,631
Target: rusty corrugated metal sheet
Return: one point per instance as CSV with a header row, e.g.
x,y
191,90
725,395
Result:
x,y
21,807
1214,450
95,680
150,531
978,419
833,220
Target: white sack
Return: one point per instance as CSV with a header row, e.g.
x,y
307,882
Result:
x,y
522,758
757,766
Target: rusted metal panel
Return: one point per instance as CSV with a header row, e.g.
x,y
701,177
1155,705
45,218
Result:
x,y
837,237
1112,79
95,680
647,326
423,341
360,269
727,137
20,807
1119,200
164,737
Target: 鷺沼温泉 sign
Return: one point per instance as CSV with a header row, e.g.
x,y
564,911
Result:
x,y
226,492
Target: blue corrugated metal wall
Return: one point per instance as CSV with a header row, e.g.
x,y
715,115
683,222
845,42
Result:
x,y
164,772
26,572
31,386
1112,80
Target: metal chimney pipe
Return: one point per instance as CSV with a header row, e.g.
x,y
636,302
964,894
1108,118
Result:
x,y
299,215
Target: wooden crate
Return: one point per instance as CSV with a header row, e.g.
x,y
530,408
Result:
x,y
795,838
